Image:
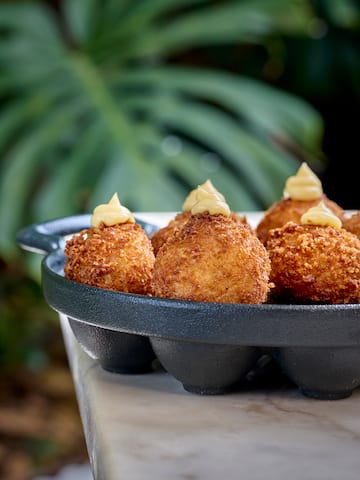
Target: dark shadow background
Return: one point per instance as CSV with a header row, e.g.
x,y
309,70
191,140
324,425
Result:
x,y
323,69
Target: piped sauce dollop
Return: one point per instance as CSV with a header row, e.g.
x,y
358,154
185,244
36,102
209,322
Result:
x,y
305,185
111,213
320,215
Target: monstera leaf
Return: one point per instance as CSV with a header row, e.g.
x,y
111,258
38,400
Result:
x,y
91,103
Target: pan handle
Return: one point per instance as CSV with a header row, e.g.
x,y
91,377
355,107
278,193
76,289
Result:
x,y
49,236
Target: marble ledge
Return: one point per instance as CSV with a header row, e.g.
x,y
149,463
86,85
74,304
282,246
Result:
x,y
148,427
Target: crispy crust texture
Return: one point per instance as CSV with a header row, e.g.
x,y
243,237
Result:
x,y
117,258
352,224
314,264
288,210
176,224
213,258
164,233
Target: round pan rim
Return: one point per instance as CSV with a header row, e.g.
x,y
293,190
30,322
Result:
x,y
263,325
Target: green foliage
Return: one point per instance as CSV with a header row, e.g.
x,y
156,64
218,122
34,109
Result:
x,y
91,100
325,64
27,325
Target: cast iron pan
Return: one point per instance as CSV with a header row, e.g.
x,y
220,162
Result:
x,y
209,347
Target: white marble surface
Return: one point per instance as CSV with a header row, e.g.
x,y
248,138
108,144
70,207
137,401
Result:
x,y
148,427
70,472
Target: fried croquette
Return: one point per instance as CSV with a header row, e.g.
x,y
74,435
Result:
x,y
176,224
302,191
352,224
289,210
164,233
207,188
213,258
314,264
118,257
241,219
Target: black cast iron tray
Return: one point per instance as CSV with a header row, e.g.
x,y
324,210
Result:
x,y
209,347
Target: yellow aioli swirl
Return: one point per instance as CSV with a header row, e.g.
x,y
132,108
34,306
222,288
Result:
x,y
210,202
192,198
111,213
321,215
305,185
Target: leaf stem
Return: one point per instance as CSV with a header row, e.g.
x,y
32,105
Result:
x,y
116,121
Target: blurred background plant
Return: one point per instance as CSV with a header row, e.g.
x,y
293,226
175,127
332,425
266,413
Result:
x,y
150,98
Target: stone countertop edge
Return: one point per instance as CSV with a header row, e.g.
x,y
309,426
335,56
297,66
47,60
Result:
x,y
147,426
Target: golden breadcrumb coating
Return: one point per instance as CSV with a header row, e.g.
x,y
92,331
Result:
x,y
288,210
176,224
314,264
213,258
117,258
241,219
352,224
